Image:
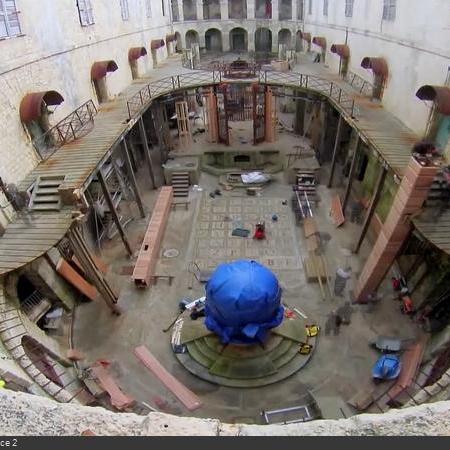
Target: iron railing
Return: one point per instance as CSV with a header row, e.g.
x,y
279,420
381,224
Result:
x,y
333,91
359,84
35,299
75,125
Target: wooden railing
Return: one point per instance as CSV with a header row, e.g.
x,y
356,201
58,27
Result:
x,y
75,125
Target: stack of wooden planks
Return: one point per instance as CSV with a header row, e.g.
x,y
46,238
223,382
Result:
x,y
148,255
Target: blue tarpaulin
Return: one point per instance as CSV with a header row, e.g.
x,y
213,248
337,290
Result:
x,y
387,367
243,301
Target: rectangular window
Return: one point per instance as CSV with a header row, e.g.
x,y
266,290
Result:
x,y
300,7
124,9
148,8
348,8
9,19
325,7
310,7
389,8
85,12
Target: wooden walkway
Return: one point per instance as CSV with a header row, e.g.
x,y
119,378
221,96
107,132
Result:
x,y
79,159
31,236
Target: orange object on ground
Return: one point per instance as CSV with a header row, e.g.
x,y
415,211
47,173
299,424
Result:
x,y
186,396
411,361
336,211
119,400
75,279
101,265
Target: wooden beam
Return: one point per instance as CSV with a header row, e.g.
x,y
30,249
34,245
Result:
x,y
134,186
148,157
372,206
350,175
337,143
114,212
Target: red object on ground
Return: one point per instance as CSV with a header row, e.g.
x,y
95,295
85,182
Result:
x,y
260,232
396,284
408,305
186,396
118,399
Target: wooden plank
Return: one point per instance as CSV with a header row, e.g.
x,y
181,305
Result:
x,y
75,279
310,227
336,212
186,396
149,252
119,400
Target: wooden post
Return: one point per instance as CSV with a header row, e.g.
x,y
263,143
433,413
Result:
x,y
337,143
148,157
350,175
113,212
372,207
134,186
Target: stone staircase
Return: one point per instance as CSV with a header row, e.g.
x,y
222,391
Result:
x,y
14,327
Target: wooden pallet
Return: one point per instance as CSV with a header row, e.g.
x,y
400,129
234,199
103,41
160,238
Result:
x,y
184,126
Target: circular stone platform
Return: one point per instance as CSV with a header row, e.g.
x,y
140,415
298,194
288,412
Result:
x,y
232,365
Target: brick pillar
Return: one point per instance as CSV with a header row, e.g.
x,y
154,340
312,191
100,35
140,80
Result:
x,y
410,197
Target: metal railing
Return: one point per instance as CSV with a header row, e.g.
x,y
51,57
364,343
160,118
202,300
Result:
x,y
142,98
31,302
333,91
72,127
359,83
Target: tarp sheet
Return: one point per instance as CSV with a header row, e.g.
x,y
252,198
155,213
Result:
x,y
243,301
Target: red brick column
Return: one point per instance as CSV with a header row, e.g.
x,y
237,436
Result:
x,y
212,115
412,193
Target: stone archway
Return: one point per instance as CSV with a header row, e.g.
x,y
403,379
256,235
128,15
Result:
x,y
263,40
238,40
213,40
191,38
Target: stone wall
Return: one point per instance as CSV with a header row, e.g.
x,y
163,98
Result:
x,y
22,414
56,53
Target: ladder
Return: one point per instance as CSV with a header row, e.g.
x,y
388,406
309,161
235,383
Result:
x,y
45,195
180,184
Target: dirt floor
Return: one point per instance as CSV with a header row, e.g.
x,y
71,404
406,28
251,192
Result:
x,y
342,361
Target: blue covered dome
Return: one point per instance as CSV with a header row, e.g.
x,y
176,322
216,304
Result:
x,y
243,301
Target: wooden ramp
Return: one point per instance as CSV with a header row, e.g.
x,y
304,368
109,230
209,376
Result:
x,y
119,400
187,397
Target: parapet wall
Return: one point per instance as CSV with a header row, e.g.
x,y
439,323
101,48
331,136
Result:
x,y
24,414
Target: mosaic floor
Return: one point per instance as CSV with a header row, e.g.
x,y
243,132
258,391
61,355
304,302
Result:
x,y
214,243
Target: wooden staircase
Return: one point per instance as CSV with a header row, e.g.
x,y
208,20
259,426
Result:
x,y
180,184
45,196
